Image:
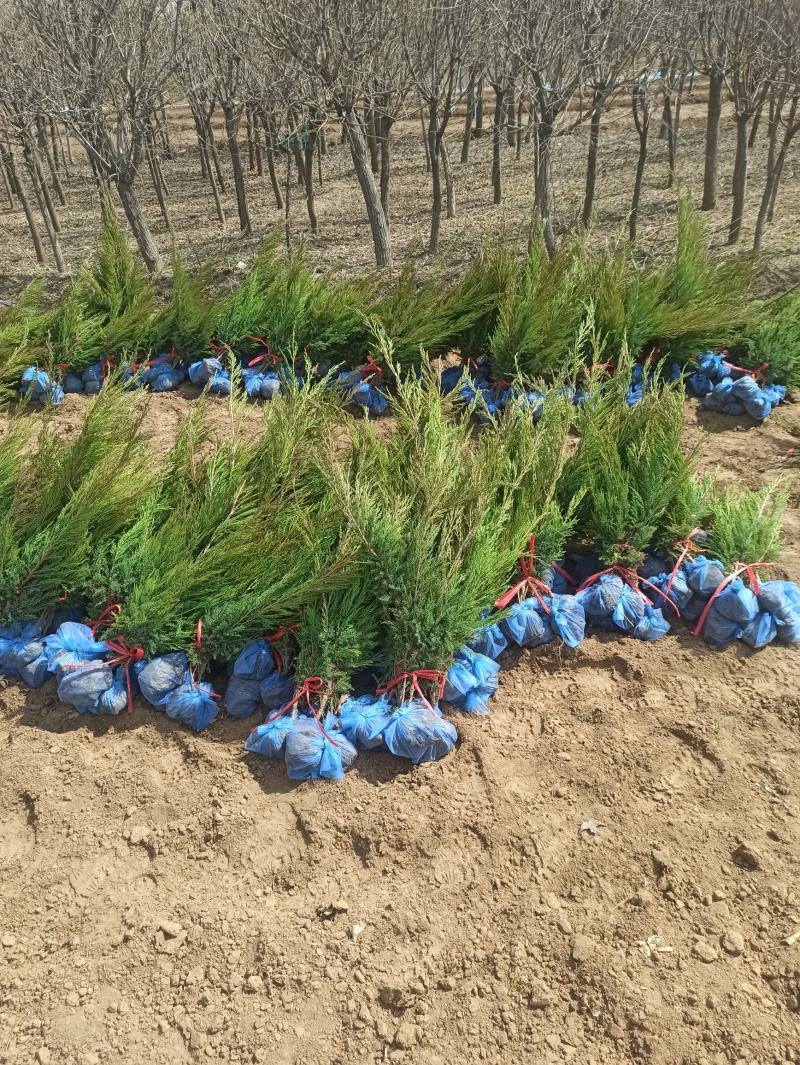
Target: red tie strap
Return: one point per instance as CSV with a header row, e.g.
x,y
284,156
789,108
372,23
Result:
x,y
277,635
310,686
632,579
749,570
688,547
529,581
106,619
370,367
435,676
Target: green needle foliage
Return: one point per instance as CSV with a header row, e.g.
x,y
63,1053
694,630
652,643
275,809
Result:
x,y
774,339
66,499
628,472
240,537
185,324
18,324
745,525
439,512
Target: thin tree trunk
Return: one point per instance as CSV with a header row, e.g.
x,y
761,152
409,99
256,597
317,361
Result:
x,y
478,130
251,155
756,123
214,154
497,128
518,147
296,149
425,140
45,150
257,142
667,121
212,182
436,182
136,220
739,179
10,164
372,140
366,179
591,160
269,131
449,182
637,185
467,137
42,191
711,167
38,188
308,164
511,112
164,128
7,184
792,128
777,157
543,197
288,198
158,182
69,148
386,163
233,115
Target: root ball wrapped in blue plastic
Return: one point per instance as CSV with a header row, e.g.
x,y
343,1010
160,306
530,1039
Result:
x,y
161,675
23,653
417,732
38,385
191,702
269,739
471,681
489,640
317,750
781,599
253,664
364,719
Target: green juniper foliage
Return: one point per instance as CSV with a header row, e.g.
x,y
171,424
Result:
x,y
774,339
67,499
184,325
745,525
628,472
439,515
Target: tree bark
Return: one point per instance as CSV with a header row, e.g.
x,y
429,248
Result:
x,y
711,168
233,115
136,220
366,179
739,179
386,163
497,128
38,189
543,196
158,181
465,140
212,182
40,186
591,160
518,148
637,185
45,150
10,164
308,176
372,140
7,184
777,157
269,131
436,180
511,113
478,130
251,155
449,181
425,143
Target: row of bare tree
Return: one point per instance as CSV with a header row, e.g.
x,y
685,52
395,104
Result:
x,y
281,74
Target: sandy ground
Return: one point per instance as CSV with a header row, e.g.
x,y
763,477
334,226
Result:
x,y
167,898
344,240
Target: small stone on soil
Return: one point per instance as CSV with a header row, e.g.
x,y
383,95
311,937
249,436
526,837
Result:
x,y
704,951
732,942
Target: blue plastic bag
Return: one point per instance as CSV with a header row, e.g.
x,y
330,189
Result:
x,y
20,645
752,398
679,594
72,637
704,575
260,385
418,733
191,703
599,599
471,681
72,382
255,661
276,689
781,599
629,609
363,720
526,626
269,739
92,378
567,618
652,626
312,754
242,696
114,699
159,676
162,376
38,385
451,378
85,684
489,640
761,630
202,371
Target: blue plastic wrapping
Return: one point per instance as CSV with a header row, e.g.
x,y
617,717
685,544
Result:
x,y
679,595
202,371
35,672
74,639
471,681
418,733
704,575
261,385
526,626
242,696
761,630
85,684
781,599
191,702
114,699
629,609
652,625
736,602
489,640
363,720
20,645
162,376
567,618
38,385
599,598
556,581
276,689
269,739
92,378
655,563
700,384
159,676
255,661
451,377
312,754
72,382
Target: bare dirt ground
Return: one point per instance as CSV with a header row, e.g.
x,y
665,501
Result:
x,y
344,242
167,898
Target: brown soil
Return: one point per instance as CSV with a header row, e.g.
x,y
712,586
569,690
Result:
x,y
168,898
344,241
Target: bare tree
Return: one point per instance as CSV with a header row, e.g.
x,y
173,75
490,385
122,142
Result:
x,y
437,38
114,58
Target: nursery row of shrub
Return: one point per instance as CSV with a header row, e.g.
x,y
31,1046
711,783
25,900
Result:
x,y
324,556
521,316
